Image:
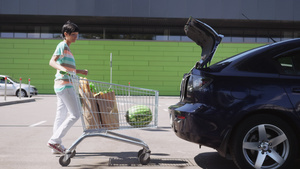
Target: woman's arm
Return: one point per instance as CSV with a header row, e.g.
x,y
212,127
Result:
x,y
55,65
84,72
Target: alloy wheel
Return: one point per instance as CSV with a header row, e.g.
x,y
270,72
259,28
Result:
x,y
266,146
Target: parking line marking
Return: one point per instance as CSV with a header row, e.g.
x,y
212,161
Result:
x,y
36,124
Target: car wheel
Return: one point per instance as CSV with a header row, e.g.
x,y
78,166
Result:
x,y
263,141
23,93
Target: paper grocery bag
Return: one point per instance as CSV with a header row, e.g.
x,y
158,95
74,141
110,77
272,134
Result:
x,y
91,114
108,109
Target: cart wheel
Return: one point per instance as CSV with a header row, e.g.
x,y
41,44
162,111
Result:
x,y
62,162
140,152
144,158
73,154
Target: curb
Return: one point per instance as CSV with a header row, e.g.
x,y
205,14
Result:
x,y
5,103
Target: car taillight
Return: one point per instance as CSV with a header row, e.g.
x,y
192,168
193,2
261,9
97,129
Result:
x,y
183,86
200,83
181,117
196,83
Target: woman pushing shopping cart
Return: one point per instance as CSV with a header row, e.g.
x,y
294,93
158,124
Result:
x,y
102,107
106,107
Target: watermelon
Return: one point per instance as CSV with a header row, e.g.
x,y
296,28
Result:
x,y
139,116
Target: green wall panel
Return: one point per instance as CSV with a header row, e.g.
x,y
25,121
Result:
x,y
146,64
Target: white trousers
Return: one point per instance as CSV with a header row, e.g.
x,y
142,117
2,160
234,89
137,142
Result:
x,y
67,114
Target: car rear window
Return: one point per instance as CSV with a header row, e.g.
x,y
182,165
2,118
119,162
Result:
x,y
222,64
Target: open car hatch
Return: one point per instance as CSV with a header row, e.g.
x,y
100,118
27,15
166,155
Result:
x,y
206,37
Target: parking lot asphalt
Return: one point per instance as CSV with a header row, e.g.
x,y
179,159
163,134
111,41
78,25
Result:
x,y
25,129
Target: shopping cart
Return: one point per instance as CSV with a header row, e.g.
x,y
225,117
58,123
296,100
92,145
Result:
x,y
106,107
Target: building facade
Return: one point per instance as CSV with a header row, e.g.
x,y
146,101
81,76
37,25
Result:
x,y
239,20
146,37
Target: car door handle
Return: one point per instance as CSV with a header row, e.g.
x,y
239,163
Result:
x,y
296,90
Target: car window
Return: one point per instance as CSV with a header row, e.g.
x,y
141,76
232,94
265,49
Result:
x,y
2,80
254,60
289,63
261,63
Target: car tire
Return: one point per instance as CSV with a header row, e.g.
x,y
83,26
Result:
x,y
263,141
23,93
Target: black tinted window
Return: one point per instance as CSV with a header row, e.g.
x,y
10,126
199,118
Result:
x,y
258,64
289,63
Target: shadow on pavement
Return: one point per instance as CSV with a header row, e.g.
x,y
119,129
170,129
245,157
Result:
x,y
158,129
174,162
126,159
212,160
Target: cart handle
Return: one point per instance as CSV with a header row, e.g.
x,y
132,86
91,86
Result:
x,y
64,72
67,73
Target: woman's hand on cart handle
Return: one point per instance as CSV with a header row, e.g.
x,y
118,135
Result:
x,y
84,72
64,72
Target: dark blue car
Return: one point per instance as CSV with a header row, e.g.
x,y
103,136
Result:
x,y
247,107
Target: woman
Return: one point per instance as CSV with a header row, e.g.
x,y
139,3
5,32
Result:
x,y
63,60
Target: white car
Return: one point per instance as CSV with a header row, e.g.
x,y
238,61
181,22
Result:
x,y
13,88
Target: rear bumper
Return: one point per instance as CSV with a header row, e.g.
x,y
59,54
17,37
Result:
x,y
197,123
